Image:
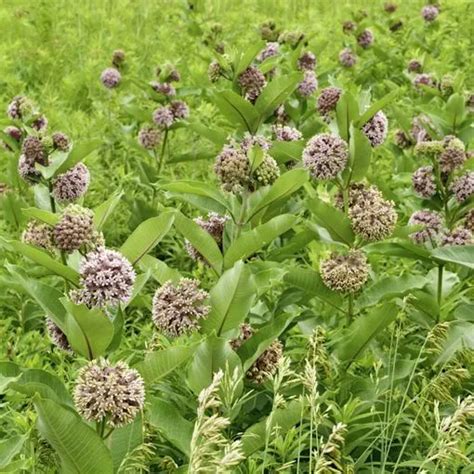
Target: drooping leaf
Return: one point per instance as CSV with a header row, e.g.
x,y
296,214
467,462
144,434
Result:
x,y
360,151
378,105
9,448
103,211
160,271
78,153
41,215
283,152
237,110
460,254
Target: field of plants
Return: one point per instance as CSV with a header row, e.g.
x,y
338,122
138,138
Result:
x,y
236,237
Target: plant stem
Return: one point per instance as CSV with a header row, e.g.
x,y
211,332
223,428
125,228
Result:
x,y
161,160
51,197
350,308
440,289
100,427
240,221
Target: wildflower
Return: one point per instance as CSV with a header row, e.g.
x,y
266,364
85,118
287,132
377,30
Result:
x,y
164,88
58,338
458,236
214,71
431,223
118,57
271,49
347,58
348,27
307,61
463,187
232,169
149,137
327,100
13,132
20,107
252,82
424,182
74,229
429,13
163,116
179,109
365,39
34,150
39,235
110,78
40,124
286,134
376,129
214,225
415,66
423,80
308,85
72,184
61,141
453,155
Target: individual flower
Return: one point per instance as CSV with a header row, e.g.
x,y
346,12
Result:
x,y
107,278
463,187
149,137
74,229
40,124
115,393
164,88
365,39
415,66
429,13
266,364
325,156
271,49
345,273
163,116
214,225
424,183
458,236
286,134
39,235
327,100
348,27
431,223
373,220
308,85
58,338
252,82
347,57
179,307
34,150
71,185
179,109
118,57
401,139
423,80
232,169
390,7
376,129
214,71
110,78
453,155
61,141
307,61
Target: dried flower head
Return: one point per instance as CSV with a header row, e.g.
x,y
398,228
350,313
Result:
x,y
179,109
365,39
232,169
267,363
271,49
376,129
178,308
58,338
107,278
163,116
110,78
347,57
39,235
415,66
345,273
307,61
431,223
458,236
252,82
149,137
115,393
424,183
325,156
463,187
61,141
286,134
72,184
327,100
214,224
74,229
429,13
453,155
118,57
308,85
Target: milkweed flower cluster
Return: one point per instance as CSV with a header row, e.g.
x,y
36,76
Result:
x,y
414,66
110,77
423,80
424,183
39,235
307,61
271,49
20,108
365,39
376,129
285,133
115,393
430,13
431,224
179,307
463,187
58,338
252,82
458,236
71,185
308,85
149,137
61,141
75,228
347,58
327,101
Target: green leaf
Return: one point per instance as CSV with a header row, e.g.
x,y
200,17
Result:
x,y
215,135
9,448
333,220
169,421
283,152
124,440
79,447
376,106
44,259
212,354
160,271
283,187
231,299
460,337
245,56
201,240
255,157
237,110
146,236
360,152
347,111
285,418
41,215
159,364
456,109
399,249
89,331
252,241
276,93
103,211
204,196
363,330
78,153
460,254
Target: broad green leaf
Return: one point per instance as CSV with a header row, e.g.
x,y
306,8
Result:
x,y
360,151
213,354
363,330
347,110
44,259
79,447
124,440
460,336
283,187
41,215
230,299
12,205
284,152
55,161
165,417
237,110
244,57
285,418
146,236
9,448
333,220
254,240
159,364
89,331
460,254
215,135
399,249
78,153
160,271
255,157
103,211
201,240
9,372
376,106
276,93
456,109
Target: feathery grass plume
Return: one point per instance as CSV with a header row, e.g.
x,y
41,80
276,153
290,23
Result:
x,y
463,187
110,78
210,450
71,185
39,235
115,393
74,229
252,82
107,278
328,457
179,307
436,338
149,137
61,141
457,236
58,338
285,133
325,156
445,382
365,39
317,351
423,181
347,57
345,273
432,225
376,129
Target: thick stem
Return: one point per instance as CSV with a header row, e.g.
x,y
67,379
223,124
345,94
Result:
x,y
51,197
350,308
100,427
440,289
161,159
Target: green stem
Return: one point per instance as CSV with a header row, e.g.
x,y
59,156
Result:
x,y
241,219
161,160
51,197
350,308
440,289
100,427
